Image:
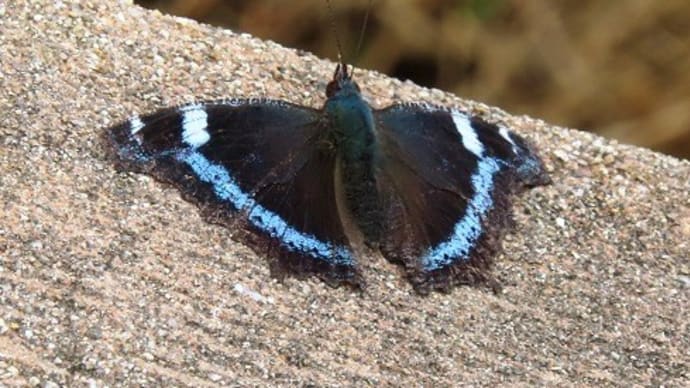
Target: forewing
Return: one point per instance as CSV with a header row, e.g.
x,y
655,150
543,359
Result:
x,y
446,180
261,167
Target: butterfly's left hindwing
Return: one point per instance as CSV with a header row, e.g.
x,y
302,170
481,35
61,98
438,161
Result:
x,y
445,180
261,165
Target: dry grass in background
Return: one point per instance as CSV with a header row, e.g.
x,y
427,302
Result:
x,y
618,68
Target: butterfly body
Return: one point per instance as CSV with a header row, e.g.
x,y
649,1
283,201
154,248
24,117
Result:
x,y
352,120
428,186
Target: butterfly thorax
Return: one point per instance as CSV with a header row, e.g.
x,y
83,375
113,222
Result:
x,y
350,118
352,122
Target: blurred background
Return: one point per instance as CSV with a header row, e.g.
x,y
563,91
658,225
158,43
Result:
x,y
618,68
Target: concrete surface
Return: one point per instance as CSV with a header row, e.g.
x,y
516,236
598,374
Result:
x,y
112,279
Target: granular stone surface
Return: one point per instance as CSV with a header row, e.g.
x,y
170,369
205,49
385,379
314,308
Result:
x,y
112,279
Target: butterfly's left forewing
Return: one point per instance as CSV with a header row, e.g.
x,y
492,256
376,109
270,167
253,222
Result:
x,y
263,166
445,180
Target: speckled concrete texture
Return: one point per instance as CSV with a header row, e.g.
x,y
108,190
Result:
x,y
112,279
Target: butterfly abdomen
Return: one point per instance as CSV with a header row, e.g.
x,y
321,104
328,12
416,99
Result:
x,y
361,194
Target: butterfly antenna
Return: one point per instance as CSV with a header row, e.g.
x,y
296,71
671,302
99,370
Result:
x,y
363,30
335,32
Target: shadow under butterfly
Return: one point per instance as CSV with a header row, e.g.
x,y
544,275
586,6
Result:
x,y
427,186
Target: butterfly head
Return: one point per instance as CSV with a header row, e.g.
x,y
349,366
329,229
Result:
x,y
342,83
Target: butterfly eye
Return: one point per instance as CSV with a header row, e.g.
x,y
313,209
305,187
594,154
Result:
x,y
332,88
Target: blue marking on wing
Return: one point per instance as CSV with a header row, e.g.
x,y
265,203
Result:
x,y
226,188
468,229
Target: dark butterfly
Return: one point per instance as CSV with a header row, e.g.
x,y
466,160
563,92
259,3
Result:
x,y
428,186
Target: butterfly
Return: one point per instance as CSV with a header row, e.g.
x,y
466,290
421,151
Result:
x,y
429,187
